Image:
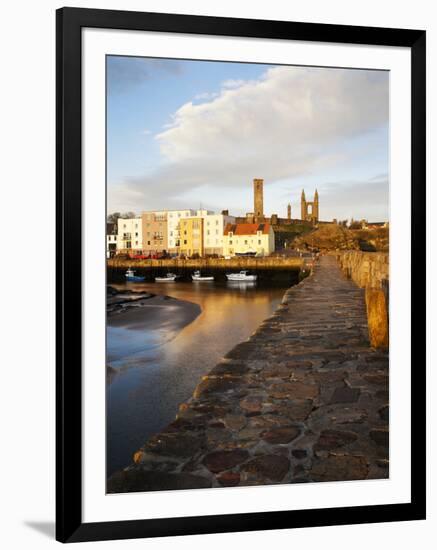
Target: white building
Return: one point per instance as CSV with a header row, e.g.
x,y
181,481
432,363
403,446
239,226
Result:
x,y
248,238
213,229
130,234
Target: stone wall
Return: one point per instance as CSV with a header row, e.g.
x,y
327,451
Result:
x,y
370,270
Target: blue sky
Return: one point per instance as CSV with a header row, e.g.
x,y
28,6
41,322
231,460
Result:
x,y
184,133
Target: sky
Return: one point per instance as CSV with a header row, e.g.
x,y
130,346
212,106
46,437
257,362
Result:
x,y
184,134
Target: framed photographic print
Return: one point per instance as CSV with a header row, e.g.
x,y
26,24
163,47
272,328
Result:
x,y
240,274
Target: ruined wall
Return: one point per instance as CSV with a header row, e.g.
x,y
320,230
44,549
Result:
x,y
370,270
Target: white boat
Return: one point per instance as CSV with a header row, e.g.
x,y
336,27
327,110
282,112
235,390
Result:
x,y
242,276
196,276
169,278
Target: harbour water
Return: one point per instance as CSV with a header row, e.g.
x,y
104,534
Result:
x,y
158,352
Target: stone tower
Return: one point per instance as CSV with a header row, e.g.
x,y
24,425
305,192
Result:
x,y
289,211
258,206
309,211
303,206
316,206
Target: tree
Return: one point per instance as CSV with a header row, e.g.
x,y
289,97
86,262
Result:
x,y
112,218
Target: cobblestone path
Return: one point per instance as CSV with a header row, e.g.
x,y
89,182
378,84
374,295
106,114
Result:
x,y
305,399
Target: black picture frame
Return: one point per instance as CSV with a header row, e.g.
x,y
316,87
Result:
x,y
69,525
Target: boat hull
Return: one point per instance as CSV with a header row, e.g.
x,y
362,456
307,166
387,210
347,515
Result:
x,y
202,279
135,279
239,279
165,279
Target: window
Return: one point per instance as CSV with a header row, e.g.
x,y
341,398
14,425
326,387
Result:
x,y
179,214
185,233
136,242
185,242
207,232
216,222
245,242
207,223
230,242
136,234
259,241
171,233
148,242
124,226
216,231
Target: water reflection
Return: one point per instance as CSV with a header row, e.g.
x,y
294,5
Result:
x,y
157,363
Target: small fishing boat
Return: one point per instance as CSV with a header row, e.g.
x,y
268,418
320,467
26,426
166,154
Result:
x,y
169,278
242,276
132,278
196,276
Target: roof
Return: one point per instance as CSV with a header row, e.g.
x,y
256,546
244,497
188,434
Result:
x,y
247,228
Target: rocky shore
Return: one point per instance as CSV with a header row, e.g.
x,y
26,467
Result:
x,y
305,399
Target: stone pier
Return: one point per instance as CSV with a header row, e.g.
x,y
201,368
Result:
x,y
305,399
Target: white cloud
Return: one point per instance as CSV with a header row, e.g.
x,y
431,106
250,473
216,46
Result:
x,y
292,122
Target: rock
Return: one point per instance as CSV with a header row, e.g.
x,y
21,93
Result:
x,y
345,394
339,468
330,377
380,437
298,390
136,480
230,369
175,444
377,379
235,421
216,385
296,409
229,479
331,439
281,435
300,454
267,467
217,461
251,404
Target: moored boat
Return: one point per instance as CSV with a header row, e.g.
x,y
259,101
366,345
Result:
x,y
131,277
197,277
242,276
169,278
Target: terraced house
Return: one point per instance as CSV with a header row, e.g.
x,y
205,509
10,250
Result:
x,y
130,235
155,232
248,238
191,237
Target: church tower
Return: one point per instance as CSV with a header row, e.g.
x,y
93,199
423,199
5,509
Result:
x,y
258,203
316,207
289,211
303,206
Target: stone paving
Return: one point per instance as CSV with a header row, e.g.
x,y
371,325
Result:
x,y
305,399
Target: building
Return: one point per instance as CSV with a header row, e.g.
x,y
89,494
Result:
x,y
246,238
258,198
111,239
191,236
309,211
213,228
130,235
173,219
155,232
